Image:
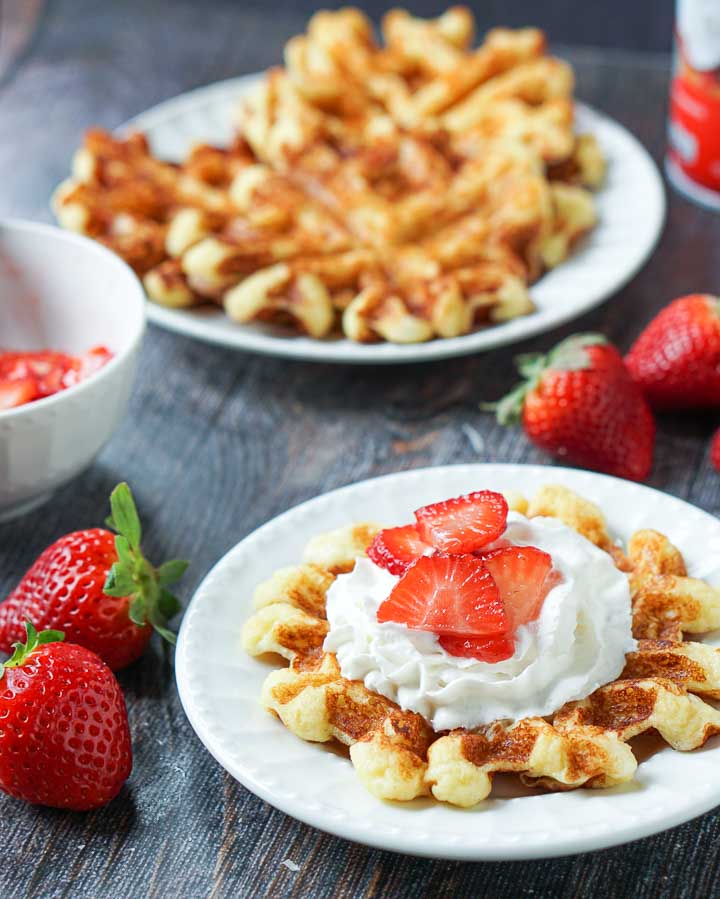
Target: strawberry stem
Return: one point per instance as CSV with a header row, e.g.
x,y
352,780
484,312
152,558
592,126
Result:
x,y
33,639
133,575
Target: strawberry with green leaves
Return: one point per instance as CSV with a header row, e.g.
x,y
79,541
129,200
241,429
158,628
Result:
x,y
64,735
98,588
580,403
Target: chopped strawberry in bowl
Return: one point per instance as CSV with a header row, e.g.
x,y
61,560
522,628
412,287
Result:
x,y
34,375
59,407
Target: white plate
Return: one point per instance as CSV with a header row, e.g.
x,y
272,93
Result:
x,y
219,686
631,207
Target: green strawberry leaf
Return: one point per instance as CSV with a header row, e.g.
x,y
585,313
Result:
x,y
120,581
125,516
172,571
33,640
136,611
531,365
133,575
168,604
50,636
122,548
166,634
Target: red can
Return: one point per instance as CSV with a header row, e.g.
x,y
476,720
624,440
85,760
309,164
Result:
x,y
693,162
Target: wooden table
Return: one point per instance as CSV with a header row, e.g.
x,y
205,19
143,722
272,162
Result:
x,y
216,443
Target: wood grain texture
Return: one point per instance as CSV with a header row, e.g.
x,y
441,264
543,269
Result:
x,y
216,443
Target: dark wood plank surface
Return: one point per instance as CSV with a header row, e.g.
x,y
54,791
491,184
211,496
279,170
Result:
x,y
217,442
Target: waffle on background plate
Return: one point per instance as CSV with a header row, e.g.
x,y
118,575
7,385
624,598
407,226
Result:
x,y
584,744
400,191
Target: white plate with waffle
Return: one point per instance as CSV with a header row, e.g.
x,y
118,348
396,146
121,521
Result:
x,y
370,201
316,784
631,208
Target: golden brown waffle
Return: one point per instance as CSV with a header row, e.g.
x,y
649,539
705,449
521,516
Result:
x,y
399,191
388,746
666,602
585,744
694,666
462,765
632,707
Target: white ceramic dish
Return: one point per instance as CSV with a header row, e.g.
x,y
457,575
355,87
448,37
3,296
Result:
x,y
220,689
631,207
63,292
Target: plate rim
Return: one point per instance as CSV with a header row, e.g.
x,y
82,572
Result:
x,y
608,837
344,352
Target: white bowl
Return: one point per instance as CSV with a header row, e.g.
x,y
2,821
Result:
x,y
63,292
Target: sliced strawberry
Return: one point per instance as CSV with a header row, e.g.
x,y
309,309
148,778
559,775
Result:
x,y
17,392
524,576
46,367
486,649
463,524
87,364
395,549
487,553
50,370
447,595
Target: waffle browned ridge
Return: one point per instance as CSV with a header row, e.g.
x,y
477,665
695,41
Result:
x,y
401,191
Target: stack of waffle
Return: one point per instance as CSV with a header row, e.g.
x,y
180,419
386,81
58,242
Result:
x,y
401,192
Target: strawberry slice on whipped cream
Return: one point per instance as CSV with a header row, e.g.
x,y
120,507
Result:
x,y
457,582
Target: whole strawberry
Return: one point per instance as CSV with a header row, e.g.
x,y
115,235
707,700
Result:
x,y
98,588
580,403
676,359
64,735
715,450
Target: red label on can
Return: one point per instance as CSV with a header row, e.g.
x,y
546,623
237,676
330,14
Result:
x,y
695,101
695,125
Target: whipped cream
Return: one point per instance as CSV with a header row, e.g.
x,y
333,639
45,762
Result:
x,y
577,644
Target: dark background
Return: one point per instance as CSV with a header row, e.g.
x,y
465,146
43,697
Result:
x,y
624,24
627,24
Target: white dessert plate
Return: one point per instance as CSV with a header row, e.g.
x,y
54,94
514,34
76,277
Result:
x,y
631,207
220,686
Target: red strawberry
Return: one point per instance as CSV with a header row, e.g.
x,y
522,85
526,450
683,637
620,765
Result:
x,y
17,392
397,548
715,449
486,649
498,546
97,588
45,367
64,735
580,403
463,524
87,364
446,595
676,359
524,576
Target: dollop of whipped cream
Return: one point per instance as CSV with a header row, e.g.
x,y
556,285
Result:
x,y
578,642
